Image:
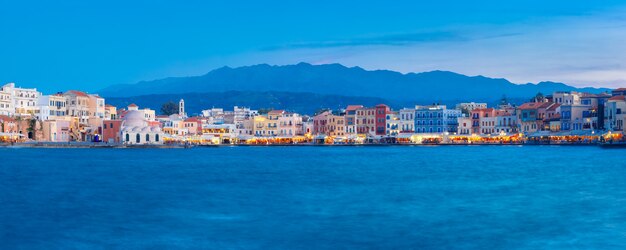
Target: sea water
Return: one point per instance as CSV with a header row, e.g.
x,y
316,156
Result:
x,y
400,197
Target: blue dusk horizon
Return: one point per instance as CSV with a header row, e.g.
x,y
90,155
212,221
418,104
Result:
x,y
64,45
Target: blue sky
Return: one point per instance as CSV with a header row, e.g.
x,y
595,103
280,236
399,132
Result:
x,y
82,44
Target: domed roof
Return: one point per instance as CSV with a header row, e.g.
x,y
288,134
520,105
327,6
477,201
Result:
x,y
134,119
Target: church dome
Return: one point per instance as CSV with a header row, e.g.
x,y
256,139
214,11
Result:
x,y
134,119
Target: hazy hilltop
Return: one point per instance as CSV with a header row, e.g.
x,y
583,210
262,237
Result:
x,y
337,80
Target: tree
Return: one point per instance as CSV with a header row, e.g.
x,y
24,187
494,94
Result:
x,y
504,100
539,97
32,124
169,108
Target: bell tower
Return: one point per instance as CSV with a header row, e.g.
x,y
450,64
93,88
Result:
x,y
181,108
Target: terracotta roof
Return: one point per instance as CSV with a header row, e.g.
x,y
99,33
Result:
x,y
109,105
192,119
132,105
278,111
78,93
618,98
553,107
353,107
620,89
535,105
483,109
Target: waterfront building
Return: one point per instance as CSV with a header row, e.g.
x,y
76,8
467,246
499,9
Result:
x,y
618,92
351,119
436,119
111,131
8,124
56,130
381,118
329,124
110,112
265,126
469,106
536,116
477,114
597,103
465,125
392,123
77,105
488,125
245,127
289,124
407,121
172,124
615,113
220,133
566,98
365,121
6,100
193,125
214,115
307,125
577,117
136,130
277,123
506,121
51,107
148,114
24,100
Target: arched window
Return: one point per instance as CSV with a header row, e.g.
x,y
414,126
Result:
x,y
147,137
156,138
138,138
127,137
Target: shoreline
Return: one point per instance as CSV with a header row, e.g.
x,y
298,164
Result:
x,y
181,146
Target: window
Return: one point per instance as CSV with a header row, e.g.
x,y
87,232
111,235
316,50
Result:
x,y
127,137
138,138
147,137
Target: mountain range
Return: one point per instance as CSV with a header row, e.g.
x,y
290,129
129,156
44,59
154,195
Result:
x,y
327,81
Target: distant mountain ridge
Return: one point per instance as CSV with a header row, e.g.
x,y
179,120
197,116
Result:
x,y
336,79
304,103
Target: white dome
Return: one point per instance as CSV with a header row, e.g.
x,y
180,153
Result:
x,y
134,119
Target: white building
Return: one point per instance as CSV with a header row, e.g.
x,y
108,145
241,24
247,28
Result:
x,y
469,106
615,113
465,125
51,107
566,98
135,130
407,120
148,114
393,123
23,100
6,100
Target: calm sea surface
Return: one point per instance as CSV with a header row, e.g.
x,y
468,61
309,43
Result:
x,y
446,197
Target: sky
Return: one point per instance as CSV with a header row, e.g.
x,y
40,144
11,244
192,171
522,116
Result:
x,y
60,45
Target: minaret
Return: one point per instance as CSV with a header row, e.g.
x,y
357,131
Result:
x,y
181,108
